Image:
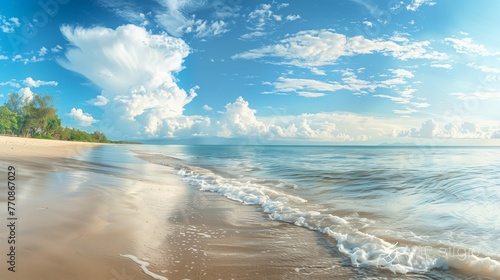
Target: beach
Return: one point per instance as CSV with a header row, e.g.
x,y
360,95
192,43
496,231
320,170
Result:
x,y
78,217
74,221
94,211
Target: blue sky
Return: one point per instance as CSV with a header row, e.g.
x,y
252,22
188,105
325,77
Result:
x,y
351,71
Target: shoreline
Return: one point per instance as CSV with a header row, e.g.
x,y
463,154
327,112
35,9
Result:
x,y
94,211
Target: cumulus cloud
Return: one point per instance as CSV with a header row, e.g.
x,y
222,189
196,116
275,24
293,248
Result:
x,y
314,48
8,25
83,119
207,108
240,120
455,130
43,51
3,57
25,93
134,69
37,83
98,101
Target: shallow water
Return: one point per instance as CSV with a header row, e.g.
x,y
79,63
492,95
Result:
x,y
399,209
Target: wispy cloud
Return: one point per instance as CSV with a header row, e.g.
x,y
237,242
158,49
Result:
x,y
314,48
467,46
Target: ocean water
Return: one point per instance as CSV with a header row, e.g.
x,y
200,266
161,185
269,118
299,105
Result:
x,y
402,209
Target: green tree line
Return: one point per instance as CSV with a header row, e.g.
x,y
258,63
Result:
x,y
36,117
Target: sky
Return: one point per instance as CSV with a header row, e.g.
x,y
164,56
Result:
x,y
329,72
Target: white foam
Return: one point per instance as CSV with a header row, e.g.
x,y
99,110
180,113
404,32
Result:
x,y
362,248
144,267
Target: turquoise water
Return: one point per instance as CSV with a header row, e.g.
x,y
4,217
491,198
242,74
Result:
x,y
407,210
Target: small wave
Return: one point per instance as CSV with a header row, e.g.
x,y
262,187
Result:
x,y
144,266
363,249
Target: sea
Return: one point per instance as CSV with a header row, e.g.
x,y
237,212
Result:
x,y
405,210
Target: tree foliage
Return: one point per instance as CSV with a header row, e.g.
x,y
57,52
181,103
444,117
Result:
x,y
37,117
8,121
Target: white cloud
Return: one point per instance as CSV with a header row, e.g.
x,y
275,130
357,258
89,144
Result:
x,y
314,48
309,94
56,49
19,58
292,85
466,46
42,51
12,83
98,101
83,119
415,4
368,23
350,82
125,9
484,68
292,17
402,73
239,120
8,25
445,66
251,35
25,93
134,69
317,71
32,83
261,16
283,5
262,19
3,57
207,108
406,111
205,29
176,22
420,104
456,130
484,94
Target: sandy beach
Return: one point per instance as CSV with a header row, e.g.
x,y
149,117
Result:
x,y
71,221
76,221
91,211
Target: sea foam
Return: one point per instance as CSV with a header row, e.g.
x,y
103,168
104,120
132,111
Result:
x,y
363,249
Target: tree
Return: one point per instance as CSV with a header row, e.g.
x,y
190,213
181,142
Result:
x,y
8,120
15,103
36,117
99,137
37,113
